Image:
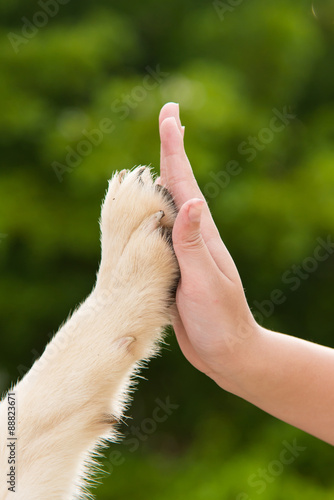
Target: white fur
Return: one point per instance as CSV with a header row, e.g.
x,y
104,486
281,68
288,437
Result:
x,y
67,402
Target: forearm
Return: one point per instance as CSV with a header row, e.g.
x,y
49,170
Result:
x,y
73,394
288,377
67,400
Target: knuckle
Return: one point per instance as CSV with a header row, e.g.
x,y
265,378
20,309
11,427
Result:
x,y
192,242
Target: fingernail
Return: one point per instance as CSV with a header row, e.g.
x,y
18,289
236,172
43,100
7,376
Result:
x,y
183,129
195,211
178,114
177,105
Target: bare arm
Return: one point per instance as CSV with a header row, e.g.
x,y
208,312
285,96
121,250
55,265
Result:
x,y
288,377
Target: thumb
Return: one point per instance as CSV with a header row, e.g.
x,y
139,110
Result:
x,y
189,246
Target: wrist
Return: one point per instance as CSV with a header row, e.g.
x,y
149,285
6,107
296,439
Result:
x,y
238,369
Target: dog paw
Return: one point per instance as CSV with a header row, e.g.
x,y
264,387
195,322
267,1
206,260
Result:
x,y
136,237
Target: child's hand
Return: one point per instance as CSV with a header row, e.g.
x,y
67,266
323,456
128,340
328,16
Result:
x,y
284,375
214,321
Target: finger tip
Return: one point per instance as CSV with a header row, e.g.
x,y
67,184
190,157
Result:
x,y
168,109
169,127
195,209
196,202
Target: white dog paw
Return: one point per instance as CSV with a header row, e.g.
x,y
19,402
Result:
x,y
136,235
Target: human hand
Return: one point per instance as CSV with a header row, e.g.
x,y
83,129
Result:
x,y
214,323
284,375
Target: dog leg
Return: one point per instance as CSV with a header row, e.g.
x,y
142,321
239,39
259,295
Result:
x,y
69,401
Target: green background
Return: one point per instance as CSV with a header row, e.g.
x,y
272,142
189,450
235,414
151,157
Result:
x,y
232,66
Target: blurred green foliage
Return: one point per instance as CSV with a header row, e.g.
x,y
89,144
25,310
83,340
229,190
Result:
x,y
78,100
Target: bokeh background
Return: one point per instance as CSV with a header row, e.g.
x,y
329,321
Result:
x,y
81,86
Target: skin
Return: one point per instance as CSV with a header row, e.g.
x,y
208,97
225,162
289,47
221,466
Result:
x,y
288,377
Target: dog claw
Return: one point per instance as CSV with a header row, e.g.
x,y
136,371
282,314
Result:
x,y
160,214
